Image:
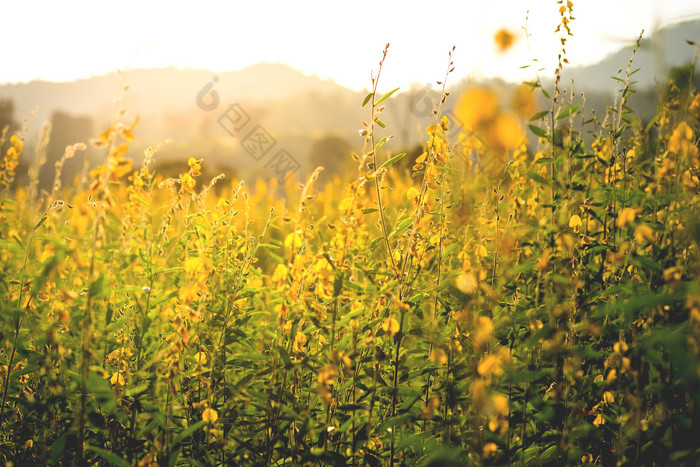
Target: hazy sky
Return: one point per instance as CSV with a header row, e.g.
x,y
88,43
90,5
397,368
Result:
x,y
66,40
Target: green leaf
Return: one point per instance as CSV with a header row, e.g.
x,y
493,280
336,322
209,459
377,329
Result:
x,y
386,96
58,447
548,453
537,131
165,298
41,221
99,287
284,355
538,178
448,250
393,421
539,115
367,98
109,456
402,226
381,124
369,211
187,432
382,141
393,160
567,111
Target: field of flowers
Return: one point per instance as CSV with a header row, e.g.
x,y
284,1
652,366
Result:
x,y
498,300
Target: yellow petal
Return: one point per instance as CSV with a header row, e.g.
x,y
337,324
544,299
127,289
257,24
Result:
x,y
391,326
210,416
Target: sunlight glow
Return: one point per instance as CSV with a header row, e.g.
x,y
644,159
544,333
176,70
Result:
x,y
60,41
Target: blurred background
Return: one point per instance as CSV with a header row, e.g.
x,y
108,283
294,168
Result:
x,y
300,70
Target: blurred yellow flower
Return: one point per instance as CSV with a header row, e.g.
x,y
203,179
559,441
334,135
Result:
x,y
391,326
506,132
484,326
490,366
478,392
682,143
466,282
644,233
500,403
210,416
626,217
476,105
504,39
438,357
524,101
430,407
489,449
280,274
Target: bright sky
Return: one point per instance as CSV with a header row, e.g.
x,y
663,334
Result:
x,y
61,41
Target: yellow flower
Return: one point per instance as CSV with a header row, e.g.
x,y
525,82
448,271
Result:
x,y
626,217
430,407
480,251
412,194
575,223
620,347
280,274
293,241
599,420
536,325
476,105
391,326
187,294
524,103
201,358
210,416
644,233
194,265
484,326
444,123
489,366
438,356
117,379
608,397
500,403
466,283
188,183
195,166
504,39
506,132
345,204
682,143
478,392
672,274
489,449
299,342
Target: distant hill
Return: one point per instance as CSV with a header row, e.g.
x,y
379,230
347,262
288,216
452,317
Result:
x,y
659,51
155,91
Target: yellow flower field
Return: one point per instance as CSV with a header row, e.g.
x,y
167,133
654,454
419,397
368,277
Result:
x,y
518,295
